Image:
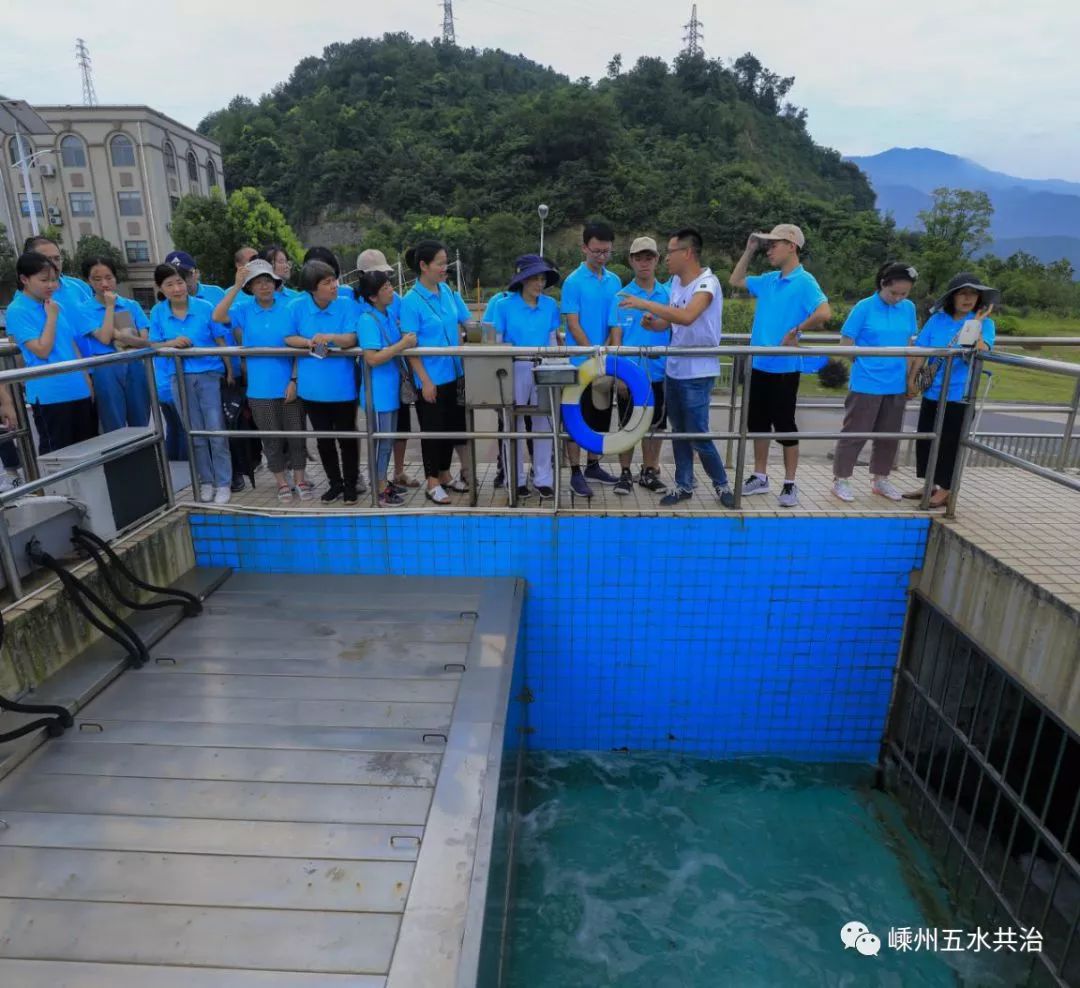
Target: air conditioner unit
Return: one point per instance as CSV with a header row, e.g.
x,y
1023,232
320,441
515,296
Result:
x,y
47,169
56,218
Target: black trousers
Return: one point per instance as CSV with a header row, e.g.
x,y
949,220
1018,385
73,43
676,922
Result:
x,y
444,414
336,416
950,440
65,423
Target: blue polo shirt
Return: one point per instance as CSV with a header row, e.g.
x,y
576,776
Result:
x,y
524,325
331,378
25,322
783,301
589,297
210,293
632,332
267,377
394,308
72,292
91,315
493,306
939,331
197,325
873,322
377,330
434,318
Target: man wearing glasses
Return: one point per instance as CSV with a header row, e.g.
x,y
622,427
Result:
x,y
587,295
789,303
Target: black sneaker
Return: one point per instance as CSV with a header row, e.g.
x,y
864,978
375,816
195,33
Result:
x,y
625,483
546,493
579,485
500,480
332,493
725,494
351,495
650,480
237,485
523,491
596,472
675,497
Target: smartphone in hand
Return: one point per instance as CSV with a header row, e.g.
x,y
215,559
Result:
x,y
320,350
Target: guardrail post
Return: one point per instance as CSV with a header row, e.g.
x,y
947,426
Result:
x,y
736,363
159,429
371,423
744,418
180,390
7,560
965,427
1070,426
935,443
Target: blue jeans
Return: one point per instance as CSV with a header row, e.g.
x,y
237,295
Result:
x,y
213,463
688,411
121,396
385,422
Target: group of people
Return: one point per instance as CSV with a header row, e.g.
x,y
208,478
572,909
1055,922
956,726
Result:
x,y
56,318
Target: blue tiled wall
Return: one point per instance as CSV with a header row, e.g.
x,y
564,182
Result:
x,y
721,635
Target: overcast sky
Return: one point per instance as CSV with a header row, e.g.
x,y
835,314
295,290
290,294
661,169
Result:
x,y
991,80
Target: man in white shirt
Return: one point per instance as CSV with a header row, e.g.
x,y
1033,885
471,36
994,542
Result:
x,y
694,319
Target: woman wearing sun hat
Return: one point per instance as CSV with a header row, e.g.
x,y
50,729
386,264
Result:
x,y
965,297
261,319
528,317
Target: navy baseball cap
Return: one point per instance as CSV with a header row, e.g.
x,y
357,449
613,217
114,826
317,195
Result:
x,y
181,259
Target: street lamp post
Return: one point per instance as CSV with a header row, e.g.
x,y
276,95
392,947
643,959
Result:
x,y
23,164
542,211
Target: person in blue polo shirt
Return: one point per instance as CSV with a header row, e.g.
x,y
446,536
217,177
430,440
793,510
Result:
x,y
789,303
965,298
321,320
587,294
120,391
877,394
626,330
72,292
262,319
383,343
277,257
437,315
527,317
62,405
181,321
189,271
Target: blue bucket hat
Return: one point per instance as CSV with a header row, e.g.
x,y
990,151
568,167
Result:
x,y
529,265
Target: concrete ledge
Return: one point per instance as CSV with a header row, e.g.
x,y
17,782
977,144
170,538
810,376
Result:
x,y
1025,628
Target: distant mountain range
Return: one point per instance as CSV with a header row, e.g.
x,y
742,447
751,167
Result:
x,y
1040,216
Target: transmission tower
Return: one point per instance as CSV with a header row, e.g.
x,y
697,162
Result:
x,y
82,56
448,23
694,34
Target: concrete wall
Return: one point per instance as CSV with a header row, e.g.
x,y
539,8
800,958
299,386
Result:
x,y
46,631
1031,633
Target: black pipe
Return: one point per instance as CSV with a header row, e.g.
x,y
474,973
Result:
x,y
191,604
54,725
123,634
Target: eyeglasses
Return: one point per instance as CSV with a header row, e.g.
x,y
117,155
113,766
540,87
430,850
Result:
x,y
675,250
592,252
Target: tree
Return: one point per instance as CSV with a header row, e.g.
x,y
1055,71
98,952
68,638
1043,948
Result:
x,y
8,257
211,230
957,227
91,246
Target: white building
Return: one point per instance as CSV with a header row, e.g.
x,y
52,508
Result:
x,y
113,171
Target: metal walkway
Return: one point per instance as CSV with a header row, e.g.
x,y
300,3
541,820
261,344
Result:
x,y
291,791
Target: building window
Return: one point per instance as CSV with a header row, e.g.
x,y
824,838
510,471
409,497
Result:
x,y
24,209
174,201
192,169
130,203
122,151
211,173
138,251
82,203
19,148
170,157
72,152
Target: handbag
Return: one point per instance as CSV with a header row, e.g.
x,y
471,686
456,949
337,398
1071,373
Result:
x,y
460,379
407,393
926,374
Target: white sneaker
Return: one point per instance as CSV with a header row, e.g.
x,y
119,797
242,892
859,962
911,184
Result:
x,y
206,492
756,485
222,495
789,496
884,487
841,487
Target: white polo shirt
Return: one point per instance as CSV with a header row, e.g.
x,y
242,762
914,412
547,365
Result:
x,y
703,331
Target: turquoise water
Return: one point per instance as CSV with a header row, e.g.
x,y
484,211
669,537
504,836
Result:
x,y
667,872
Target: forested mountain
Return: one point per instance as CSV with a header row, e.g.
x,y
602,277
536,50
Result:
x,y
410,129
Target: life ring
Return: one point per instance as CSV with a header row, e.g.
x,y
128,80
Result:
x,y
641,394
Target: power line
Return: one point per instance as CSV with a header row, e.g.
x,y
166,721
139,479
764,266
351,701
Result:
x,y
82,56
448,36
695,36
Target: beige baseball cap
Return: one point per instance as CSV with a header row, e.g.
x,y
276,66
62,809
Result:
x,y
784,231
373,260
643,244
